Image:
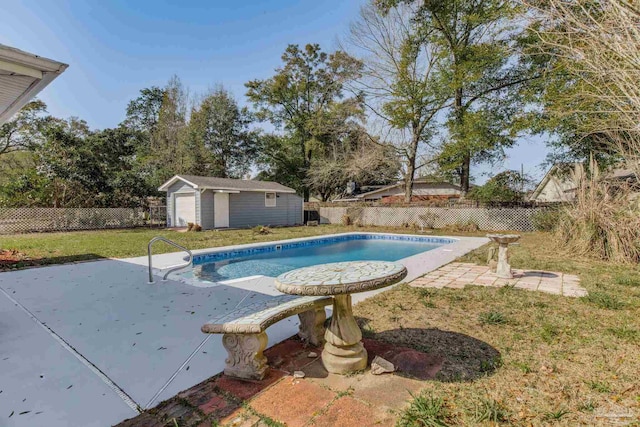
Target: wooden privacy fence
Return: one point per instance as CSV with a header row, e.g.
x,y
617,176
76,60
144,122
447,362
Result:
x,y
25,220
486,218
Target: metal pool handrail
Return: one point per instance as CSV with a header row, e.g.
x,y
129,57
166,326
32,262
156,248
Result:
x,y
171,268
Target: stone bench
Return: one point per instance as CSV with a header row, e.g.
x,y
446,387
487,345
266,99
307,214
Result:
x,y
244,330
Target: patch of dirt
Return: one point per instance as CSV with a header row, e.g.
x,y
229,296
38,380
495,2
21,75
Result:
x,y
12,258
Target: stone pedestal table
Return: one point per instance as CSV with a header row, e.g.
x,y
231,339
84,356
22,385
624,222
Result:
x,y
503,269
343,350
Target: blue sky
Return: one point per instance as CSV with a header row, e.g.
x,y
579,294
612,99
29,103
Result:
x,y
115,48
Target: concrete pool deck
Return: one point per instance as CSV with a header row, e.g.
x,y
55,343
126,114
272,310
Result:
x,y
92,343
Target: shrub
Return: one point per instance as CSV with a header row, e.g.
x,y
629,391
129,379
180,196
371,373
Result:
x,y
469,226
603,223
504,187
545,220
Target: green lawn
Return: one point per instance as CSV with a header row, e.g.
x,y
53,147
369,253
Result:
x,y
54,248
515,357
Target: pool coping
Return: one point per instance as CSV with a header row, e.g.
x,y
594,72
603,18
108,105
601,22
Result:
x,y
417,265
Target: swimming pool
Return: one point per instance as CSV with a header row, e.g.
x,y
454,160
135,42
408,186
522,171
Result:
x,y
274,259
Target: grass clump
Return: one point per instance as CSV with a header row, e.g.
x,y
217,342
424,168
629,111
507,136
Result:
x,y
425,411
599,386
524,367
492,318
490,410
625,333
556,415
549,332
603,300
626,280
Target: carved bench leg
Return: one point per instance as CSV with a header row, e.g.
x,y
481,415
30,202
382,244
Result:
x,y
312,326
245,360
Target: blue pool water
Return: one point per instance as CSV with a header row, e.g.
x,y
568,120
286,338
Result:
x,y
272,261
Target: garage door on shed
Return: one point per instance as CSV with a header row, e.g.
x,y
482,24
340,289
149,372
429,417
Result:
x,y
185,209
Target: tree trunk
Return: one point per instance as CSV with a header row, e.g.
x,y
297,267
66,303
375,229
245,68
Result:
x,y
465,167
411,167
465,172
306,155
408,182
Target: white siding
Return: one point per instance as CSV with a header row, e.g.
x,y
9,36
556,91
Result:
x,y
557,190
206,209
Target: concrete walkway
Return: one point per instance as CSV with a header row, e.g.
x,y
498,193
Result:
x,y
458,275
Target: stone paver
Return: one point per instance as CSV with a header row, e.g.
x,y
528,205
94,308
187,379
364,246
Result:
x,y
350,412
292,402
458,274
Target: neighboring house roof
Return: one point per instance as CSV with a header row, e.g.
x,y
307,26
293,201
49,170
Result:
x,y
212,183
400,186
563,179
559,172
22,76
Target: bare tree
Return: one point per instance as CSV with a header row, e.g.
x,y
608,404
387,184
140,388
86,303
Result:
x,y
398,83
356,159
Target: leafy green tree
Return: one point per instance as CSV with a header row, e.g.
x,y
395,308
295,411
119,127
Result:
x,y
586,100
480,69
505,187
220,142
86,168
305,101
159,116
279,159
591,100
144,111
28,188
24,131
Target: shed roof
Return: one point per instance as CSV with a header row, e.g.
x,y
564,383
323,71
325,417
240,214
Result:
x,y
212,183
22,76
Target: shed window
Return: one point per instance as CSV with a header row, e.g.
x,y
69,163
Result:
x,y
269,200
